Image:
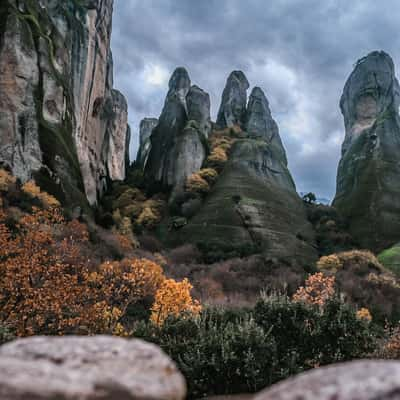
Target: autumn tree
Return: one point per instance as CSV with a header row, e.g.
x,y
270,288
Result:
x,y
317,290
173,299
47,286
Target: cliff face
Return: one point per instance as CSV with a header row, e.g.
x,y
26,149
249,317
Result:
x,y
254,205
368,193
178,140
60,119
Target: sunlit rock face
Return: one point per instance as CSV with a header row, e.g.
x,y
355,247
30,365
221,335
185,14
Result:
x,y
368,192
178,141
60,119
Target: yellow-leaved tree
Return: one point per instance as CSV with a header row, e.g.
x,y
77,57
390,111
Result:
x,y
173,299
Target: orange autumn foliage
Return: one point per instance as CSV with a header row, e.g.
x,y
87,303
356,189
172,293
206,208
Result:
x,y
47,286
34,191
173,299
317,290
196,184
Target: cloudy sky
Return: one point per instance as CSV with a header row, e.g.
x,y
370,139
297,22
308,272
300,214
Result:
x,y
299,51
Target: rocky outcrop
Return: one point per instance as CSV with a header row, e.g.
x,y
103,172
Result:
x,y
366,380
232,110
368,193
259,123
61,122
198,104
254,206
145,128
178,145
87,368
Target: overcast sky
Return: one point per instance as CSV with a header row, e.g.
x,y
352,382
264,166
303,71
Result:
x,y
299,51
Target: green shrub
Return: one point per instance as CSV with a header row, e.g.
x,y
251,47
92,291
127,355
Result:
x,y
217,353
390,258
244,350
308,336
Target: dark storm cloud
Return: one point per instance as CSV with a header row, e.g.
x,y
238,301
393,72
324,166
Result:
x,y
299,51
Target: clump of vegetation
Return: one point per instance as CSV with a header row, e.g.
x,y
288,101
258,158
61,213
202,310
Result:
x,y
365,282
390,258
196,184
51,282
318,290
209,174
331,229
224,351
221,142
172,299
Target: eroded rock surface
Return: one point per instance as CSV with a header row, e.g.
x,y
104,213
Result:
x,y
145,129
87,368
232,110
358,380
178,141
368,193
254,206
60,119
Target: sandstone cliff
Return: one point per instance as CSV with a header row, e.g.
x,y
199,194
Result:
x,y
368,194
61,122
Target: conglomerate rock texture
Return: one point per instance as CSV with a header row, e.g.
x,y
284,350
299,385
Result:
x,y
61,122
368,192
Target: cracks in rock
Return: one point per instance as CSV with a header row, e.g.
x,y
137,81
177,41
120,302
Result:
x,y
245,218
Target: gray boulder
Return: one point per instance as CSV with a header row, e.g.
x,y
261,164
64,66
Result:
x,y
87,368
368,193
358,380
232,110
145,129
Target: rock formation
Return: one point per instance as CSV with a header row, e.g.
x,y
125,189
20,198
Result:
x,y
178,141
87,368
254,205
259,123
366,380
368,194
145,128
198,104
232,110
60,120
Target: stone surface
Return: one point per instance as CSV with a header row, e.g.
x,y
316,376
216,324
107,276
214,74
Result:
x,y
254,206
177,143
87,368
368,192
145,128
232,110
260,124
60,120
198,103
358,380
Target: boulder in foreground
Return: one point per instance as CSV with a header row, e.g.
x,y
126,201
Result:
x,y
99,367
358,380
